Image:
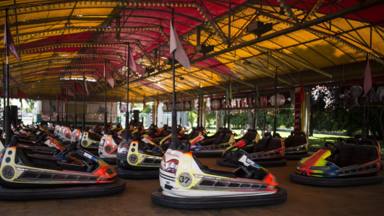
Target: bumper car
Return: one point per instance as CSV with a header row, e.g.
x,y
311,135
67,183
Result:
x,y
296,146
56,130
138,159
268,151
37,138
65,135
108,148
90,141
215,145
29,175
187,184
347,163
43,143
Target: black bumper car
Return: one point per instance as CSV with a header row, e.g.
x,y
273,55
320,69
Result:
x,y
215,145
296,146
267,152
29,175
347,163
187,184
137,159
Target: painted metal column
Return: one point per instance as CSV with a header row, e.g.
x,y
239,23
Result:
x,y
365,129
57,110
105,97
174,114
66,111
203,109
219,118
275,105
155,112
127,90
255,105
6,124
83,104
75,116
306,112
200,108
229,105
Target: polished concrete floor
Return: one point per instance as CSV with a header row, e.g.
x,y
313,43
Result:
x,y
135,201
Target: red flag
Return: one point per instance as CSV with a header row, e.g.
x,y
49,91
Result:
x,y
8,40
367,78
175,46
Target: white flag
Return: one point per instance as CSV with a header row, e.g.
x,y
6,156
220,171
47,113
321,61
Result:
x,y
111,81
8,40
175,45
86,88
132,63
70,92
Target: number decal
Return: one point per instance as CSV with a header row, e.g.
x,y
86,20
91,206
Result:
x,y
185,179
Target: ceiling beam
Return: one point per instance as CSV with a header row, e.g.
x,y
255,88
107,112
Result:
x,y
299,26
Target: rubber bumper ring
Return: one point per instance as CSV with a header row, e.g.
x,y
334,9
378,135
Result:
x,y
267,163
296,156
335,182
219,202
208,154
109,160
138,174
63,192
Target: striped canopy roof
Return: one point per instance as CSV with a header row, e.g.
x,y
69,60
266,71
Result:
x,y
59,41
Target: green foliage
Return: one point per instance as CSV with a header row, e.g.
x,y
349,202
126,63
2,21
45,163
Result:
x,y
331,114
30,106
265,118
192,118
285,118
147,109
210,118
239,120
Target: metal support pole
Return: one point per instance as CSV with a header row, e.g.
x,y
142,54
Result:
x,y
21,108
105,98
127,81
229,104
66,111
57,110
7,127
275,105
202,109
75,116
4,100
174,114
83,105
256,98
229,22
366,102
198,37
199,111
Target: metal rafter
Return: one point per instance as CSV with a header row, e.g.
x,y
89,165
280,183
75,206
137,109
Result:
x,y
354,8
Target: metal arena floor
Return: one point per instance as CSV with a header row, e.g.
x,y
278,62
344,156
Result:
x,y
135,201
